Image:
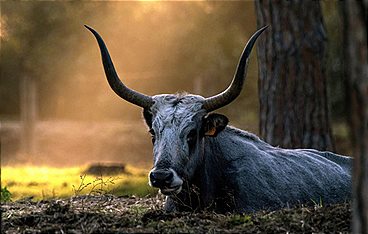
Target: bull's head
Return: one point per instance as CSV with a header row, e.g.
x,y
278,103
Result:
x,y
178,123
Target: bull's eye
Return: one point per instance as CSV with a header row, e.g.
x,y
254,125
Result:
x,y
191,138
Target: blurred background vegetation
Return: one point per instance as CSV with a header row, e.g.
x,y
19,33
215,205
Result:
x,y
157,47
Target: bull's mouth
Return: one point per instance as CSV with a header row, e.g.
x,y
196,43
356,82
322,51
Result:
x,y
167,180
171,191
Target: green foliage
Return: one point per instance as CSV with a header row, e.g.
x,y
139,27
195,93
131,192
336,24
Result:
x,y
5,194
238,219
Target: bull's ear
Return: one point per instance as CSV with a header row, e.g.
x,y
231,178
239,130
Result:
x,y
147,117
213,124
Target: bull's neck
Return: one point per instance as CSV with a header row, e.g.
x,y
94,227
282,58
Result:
x,y
209,182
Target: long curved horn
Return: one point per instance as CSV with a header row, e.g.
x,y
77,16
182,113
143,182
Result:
x,y
113,78
233,91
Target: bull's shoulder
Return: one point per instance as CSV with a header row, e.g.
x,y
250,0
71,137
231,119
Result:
x,y
230,130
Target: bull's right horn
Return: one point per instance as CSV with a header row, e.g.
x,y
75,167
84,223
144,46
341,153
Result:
x,y
114,81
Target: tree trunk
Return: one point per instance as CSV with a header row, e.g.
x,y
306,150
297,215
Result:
x,y
292,82
28,115
356,70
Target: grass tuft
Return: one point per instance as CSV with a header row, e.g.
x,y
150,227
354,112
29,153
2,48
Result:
x,y
5,194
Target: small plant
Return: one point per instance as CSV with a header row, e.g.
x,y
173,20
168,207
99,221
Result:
x,y
97,187
138,210
237,219
101,186
82,185
5,195
317,204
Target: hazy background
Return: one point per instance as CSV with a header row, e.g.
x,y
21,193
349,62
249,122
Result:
x,y
157,47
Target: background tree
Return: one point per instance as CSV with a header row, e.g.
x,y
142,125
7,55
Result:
x,y
29,40
292,83
356,70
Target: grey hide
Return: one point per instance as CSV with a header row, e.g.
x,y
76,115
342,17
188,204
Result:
x,y
236,171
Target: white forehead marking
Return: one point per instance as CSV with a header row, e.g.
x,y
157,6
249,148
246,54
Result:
x,y
175,110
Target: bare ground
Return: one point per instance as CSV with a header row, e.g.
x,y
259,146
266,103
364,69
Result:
x,y
111,214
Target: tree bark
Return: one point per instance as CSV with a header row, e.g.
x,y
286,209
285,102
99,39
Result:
x,y
292,82
356,70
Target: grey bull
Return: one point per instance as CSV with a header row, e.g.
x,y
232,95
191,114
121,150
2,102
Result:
x,y
199,162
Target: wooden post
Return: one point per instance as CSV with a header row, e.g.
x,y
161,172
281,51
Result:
x,y
28,114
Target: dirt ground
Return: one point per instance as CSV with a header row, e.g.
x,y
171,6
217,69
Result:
x,y
111,214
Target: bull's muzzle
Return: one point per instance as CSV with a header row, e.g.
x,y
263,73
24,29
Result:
x,y
167,180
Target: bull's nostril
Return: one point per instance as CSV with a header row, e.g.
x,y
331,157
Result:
x,y
161,178
170,176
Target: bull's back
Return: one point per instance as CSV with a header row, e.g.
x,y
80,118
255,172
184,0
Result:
x,y
266,177
343,161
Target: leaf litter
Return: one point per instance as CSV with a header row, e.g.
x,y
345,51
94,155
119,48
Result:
x,y
112,214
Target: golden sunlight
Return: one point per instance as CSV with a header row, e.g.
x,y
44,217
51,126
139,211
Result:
x,y
49,182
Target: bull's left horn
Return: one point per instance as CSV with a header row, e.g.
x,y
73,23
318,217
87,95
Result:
x,y
113,78
233,91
